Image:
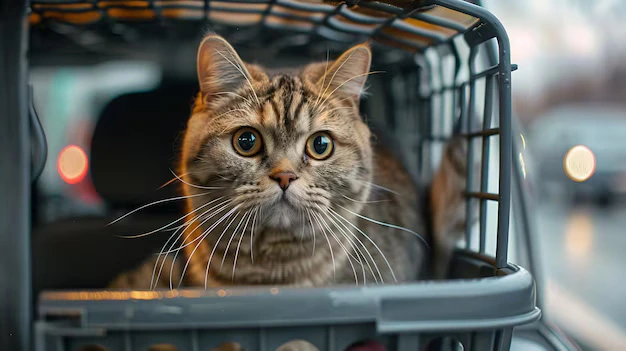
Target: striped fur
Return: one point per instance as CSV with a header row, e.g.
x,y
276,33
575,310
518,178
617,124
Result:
x,y
315,233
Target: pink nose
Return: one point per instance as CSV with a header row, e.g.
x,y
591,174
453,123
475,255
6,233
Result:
x,y
284,178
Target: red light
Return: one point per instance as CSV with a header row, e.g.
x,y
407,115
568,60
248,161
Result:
x,y
72,164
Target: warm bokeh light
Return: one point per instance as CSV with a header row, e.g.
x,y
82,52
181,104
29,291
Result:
x,y
579,163
579,236
72,164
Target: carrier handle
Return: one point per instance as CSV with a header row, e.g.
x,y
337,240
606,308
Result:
x,y
39,144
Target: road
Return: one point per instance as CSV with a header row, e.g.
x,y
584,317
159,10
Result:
x,y
583,250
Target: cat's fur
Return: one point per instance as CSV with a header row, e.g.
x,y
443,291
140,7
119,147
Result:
x,y
309,234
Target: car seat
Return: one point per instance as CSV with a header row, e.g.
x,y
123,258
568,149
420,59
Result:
x,y
132,152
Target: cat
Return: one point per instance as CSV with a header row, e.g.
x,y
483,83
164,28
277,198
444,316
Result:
x,y
285,186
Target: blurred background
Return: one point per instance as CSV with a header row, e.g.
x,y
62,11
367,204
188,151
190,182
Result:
x,y
570,90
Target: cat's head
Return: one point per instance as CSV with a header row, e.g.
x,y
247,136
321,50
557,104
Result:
x,y
292,146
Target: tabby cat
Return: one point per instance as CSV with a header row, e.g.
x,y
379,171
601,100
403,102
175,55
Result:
x,y
284,185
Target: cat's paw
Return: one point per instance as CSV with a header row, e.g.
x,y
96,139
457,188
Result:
x,y
297,345
229,346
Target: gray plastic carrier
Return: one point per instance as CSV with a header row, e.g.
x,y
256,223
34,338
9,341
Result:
x,y
477,309
480,313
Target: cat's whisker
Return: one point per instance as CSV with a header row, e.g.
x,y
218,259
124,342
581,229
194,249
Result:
x,y
312,232
208,265
232,237
156,203
343,247
232,123
347,80
323,77
252,235
330,247
330,82
170,182
223,205
231,93
154,283
339,108
169,224
371,241
242,73
354,247
182,230
241,69
194,185
243,233
330,231
200,239
363,202
374,185
228,113
224,178
303,226
388,225
338,221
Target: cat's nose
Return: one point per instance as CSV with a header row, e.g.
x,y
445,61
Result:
x,y
284,178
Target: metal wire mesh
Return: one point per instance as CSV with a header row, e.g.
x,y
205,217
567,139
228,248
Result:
x,y
412,25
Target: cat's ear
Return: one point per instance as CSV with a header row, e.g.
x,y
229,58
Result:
x,y
220,69
345,76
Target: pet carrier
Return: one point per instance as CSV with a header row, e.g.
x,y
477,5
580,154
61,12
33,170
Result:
x,y
447,63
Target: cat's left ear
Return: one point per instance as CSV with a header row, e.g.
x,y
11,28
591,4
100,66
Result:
x,y
220,69
345,76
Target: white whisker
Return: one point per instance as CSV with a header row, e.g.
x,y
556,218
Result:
x,y
356,279
243,233
312,231
347,80
388,225
374,185
354,247
370,240
363,202
240,69
194,185
232,237
365,248
156,203
252,235
332,255
231,93
333,77
169,224
224,204
180,228
323,77
200,237
208,265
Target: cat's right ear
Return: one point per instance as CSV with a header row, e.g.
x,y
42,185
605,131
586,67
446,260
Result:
x,y
220,69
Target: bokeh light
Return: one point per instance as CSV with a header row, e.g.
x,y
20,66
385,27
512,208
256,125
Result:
x,y
579,163
72,164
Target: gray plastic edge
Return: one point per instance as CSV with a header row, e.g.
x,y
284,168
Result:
x,y
15,179
486,303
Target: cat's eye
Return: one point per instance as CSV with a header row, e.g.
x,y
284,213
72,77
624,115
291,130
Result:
x,y
320,146
247,141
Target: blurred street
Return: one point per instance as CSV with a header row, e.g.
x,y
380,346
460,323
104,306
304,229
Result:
x,y
583,251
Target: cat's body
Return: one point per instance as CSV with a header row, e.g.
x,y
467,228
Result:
x,y
285,186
